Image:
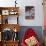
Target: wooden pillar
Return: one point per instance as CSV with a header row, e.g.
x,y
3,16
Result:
x,y
44,7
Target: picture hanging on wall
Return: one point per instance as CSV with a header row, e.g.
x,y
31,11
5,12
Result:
x,y
29,12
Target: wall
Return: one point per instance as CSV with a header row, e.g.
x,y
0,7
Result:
x,y
37,30
38,21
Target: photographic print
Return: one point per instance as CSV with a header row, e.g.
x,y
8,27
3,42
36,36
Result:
x,y
29,12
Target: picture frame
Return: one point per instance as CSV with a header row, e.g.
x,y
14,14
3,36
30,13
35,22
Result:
x,y
12,12
13,20
5,12
10,19
29,12
6,34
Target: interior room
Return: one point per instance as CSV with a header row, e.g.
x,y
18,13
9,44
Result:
x,y
22,23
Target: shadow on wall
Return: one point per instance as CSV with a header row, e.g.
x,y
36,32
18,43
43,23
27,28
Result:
x,y
37,29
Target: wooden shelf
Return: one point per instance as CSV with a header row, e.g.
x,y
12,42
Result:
x,y
5,25
11,26
10,43
9,8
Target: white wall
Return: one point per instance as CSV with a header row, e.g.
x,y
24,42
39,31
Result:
x,y
38,21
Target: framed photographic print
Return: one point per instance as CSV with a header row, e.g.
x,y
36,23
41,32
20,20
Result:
x,y
12,20
29,12
5,12
5,19
6,34
12,12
